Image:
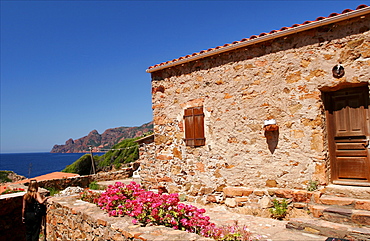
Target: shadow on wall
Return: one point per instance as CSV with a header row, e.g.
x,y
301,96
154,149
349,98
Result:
x,y
272,137
11,226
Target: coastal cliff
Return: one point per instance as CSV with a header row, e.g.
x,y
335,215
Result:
x,y
102,141
9,176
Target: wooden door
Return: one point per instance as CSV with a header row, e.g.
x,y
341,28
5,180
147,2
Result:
x,y
348,132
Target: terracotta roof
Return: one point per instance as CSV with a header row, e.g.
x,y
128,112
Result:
x,y
49,176
238,44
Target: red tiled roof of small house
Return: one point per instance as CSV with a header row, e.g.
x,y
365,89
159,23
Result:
x,y
48,176
236,44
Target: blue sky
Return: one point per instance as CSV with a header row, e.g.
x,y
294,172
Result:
x,y
69,67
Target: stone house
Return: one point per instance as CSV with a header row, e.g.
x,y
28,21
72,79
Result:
x,y
275,110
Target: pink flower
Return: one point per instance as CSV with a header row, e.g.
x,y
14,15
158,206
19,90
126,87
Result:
x,y
149,207
113,213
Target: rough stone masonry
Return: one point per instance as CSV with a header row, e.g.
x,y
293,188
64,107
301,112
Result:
x,y
279,79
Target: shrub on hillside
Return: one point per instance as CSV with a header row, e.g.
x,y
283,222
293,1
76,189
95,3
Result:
x,y
82,166
124,152
4,176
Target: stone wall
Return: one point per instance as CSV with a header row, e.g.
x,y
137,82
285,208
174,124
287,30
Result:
x,y
280,79
11,226
71,219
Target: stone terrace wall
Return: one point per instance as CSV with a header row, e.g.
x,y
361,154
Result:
x,y
11,226
280,79
72,219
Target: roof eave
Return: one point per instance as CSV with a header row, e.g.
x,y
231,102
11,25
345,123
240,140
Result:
x,y
283,33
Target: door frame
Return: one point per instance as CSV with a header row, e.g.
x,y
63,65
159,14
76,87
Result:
x,y
333,169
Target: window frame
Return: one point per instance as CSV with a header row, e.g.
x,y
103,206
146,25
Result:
x,y
194,127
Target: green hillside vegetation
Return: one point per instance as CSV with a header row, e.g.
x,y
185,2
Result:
x,y
82,166
4,176
124,152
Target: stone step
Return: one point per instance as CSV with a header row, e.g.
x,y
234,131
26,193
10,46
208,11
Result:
x,y
356,192
354,203
329,229
339,201
341,215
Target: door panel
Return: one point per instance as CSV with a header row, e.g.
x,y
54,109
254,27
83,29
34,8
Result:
x,y
348,134
352,168
349,114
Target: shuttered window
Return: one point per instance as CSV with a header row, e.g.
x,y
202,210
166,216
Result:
x,y
194,127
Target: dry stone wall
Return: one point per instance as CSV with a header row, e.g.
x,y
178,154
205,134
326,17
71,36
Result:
x,y
11,226
280,79
71,219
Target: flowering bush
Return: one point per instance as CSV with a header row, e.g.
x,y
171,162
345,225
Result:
x,y
89,196
231,233
15,190
163,209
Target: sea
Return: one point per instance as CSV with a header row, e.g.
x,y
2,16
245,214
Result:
x,y
38,163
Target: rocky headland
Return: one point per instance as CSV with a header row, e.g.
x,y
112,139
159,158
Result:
x,y
10,176
102,141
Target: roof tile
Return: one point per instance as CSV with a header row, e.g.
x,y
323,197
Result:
x,y
333,14
255,36
361,6
319,18
346,11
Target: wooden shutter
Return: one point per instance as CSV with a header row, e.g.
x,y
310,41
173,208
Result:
x,y
194,127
